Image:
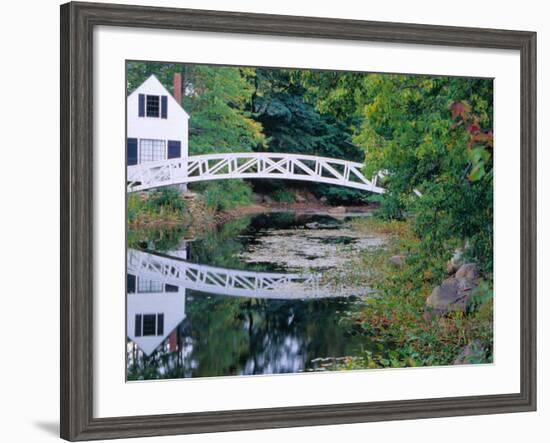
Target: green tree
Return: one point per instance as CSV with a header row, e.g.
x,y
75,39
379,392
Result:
x,y
432,134
216,99
138,72
292,124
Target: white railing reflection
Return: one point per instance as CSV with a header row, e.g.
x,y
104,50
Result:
x,y
234,282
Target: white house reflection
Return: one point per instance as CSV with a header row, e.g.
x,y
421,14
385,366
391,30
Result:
x,y
155,309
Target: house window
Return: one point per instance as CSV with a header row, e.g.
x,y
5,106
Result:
x,y
153,106
149,325
151,150
131,283
149,286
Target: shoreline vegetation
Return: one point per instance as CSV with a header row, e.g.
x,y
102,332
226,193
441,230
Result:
x,y
171,207
399,313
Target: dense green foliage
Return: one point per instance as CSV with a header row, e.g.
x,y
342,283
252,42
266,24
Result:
x,y
219,121
283,195
431,134
223,195
292,124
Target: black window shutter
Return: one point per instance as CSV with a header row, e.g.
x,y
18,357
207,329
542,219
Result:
x,y
160,324
130,283
131,145
174,149
137,331
141,111
163,106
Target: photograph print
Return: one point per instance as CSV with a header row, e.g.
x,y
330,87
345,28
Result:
x,y
285,220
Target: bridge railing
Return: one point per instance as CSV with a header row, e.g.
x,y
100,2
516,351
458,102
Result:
x,y
249,165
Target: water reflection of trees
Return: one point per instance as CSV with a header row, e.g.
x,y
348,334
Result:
x,y
220,246
159,238
234,336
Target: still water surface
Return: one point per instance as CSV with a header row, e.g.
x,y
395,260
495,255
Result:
x,y
186,327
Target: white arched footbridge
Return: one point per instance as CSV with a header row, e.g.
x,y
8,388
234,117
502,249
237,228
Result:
x,y
197,168
235,282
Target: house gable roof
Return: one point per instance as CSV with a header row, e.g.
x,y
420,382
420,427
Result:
x,y
153,86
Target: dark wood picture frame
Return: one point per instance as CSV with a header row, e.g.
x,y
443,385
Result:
x,y
77,23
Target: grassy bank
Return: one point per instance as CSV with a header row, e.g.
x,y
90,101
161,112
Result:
x,y
165,216
161,219
208,204
168,206
165,206
394,317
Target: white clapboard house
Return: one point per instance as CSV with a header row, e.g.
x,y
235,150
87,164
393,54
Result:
x,y
155,309
157,125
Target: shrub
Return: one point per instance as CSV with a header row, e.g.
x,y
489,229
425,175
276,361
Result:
x,y
157,206
223,195
339,195
283,196
168,198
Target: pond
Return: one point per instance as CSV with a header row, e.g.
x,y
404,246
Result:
x,y
248,297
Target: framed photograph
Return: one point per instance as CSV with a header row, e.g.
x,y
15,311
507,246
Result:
x,y
273,221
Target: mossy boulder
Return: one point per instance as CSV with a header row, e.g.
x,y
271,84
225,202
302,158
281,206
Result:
x,y
454,293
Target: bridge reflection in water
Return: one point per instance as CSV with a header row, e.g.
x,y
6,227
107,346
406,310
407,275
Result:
x,y
157,286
